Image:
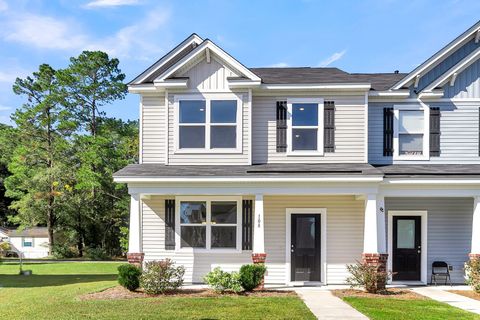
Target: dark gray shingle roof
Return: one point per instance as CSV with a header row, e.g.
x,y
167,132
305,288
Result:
x,y
161,170
430,170
307,75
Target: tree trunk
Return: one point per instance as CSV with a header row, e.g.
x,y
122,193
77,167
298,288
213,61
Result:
x,y
50,225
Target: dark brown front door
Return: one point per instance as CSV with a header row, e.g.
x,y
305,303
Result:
x,y
407,247
305,247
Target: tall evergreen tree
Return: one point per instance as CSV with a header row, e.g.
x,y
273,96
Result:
x,y
37,166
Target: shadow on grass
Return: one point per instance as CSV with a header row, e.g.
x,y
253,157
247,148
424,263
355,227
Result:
x,y
33,281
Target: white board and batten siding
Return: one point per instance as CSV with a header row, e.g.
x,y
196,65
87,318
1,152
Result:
x,y
349,130
449,233
459,140
344,238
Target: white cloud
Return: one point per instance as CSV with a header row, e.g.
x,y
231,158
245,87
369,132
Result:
x,y
334,57
110,3
10,75
43,32
3,5
5,108
279,65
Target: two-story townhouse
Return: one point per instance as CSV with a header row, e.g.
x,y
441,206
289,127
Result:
x,y
307,169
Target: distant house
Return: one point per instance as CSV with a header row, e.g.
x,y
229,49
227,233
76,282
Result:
x,y
31,242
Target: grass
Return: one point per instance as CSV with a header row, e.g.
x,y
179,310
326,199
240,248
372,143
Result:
x,y
385,309
52,291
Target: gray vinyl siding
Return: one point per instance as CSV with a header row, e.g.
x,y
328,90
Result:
x,y
446,64
153,129
458,133
344,237
449,223
349,131
467,84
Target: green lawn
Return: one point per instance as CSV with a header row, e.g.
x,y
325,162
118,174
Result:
x,y
51,293
385,309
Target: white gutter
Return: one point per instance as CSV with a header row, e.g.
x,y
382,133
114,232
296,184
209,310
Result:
x,y
410,181
318,86
127,179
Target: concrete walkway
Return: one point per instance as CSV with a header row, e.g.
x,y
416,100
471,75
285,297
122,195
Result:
x,y
324,305
455,300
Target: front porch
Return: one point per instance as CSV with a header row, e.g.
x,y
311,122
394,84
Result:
x,y
351,227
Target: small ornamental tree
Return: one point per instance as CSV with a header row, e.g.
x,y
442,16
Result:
x,y
366,276
161,276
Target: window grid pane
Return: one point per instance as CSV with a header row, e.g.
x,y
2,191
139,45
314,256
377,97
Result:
x,y
193,212
223,111
305,114
411,121
192,111
305,139
410,144
223,136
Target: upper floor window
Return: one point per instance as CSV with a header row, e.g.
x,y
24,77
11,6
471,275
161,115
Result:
x,y
305,126
411,127
208,124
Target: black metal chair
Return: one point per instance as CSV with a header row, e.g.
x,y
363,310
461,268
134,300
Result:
x,y
440,269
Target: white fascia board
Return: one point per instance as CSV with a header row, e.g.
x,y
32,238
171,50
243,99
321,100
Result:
x,y
246,179
187,42
446,182
436,58
390,93
142,88
218,51
431,94
456,69
319,86
172,83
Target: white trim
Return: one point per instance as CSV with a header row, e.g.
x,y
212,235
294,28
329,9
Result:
x,y
140,130
250,127
426,132
424,239
236,84
388,93
208,200
208,97
184,44
167,129
319,127
234,179
365,148
323,241
456,69
435,59
318,86
218,51
172,83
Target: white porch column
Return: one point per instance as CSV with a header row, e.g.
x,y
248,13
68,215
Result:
x,y
135,255
258,254
475,251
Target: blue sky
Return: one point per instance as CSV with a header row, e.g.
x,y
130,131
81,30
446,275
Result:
x,y
356,36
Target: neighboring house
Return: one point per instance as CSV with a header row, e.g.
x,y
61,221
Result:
x,y
309,168
31,242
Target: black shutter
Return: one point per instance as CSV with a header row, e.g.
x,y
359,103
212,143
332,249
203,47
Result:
x,y
329,127
434,132
247,224
388,132
169,224
281,126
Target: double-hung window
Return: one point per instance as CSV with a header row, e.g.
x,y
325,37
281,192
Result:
x,y
209,223
305,126
209,124
411,127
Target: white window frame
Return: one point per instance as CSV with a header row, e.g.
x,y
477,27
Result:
x,y
208,201
320,127
208,98
23,242
426,132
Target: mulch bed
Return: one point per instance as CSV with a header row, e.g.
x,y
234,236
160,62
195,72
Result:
x,y
118,292
393,293
467,293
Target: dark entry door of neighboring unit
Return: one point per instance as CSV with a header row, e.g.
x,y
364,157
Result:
x,y
305,247
407,247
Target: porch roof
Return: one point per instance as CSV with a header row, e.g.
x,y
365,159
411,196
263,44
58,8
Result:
x,y
430,170
259,170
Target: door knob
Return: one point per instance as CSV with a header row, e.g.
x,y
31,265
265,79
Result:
x,y
419,251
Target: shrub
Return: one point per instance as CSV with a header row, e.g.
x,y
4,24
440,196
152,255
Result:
x,y
251,275
63,252
366,276
4,248
161,276
129,276
472,269
222,281
96,254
